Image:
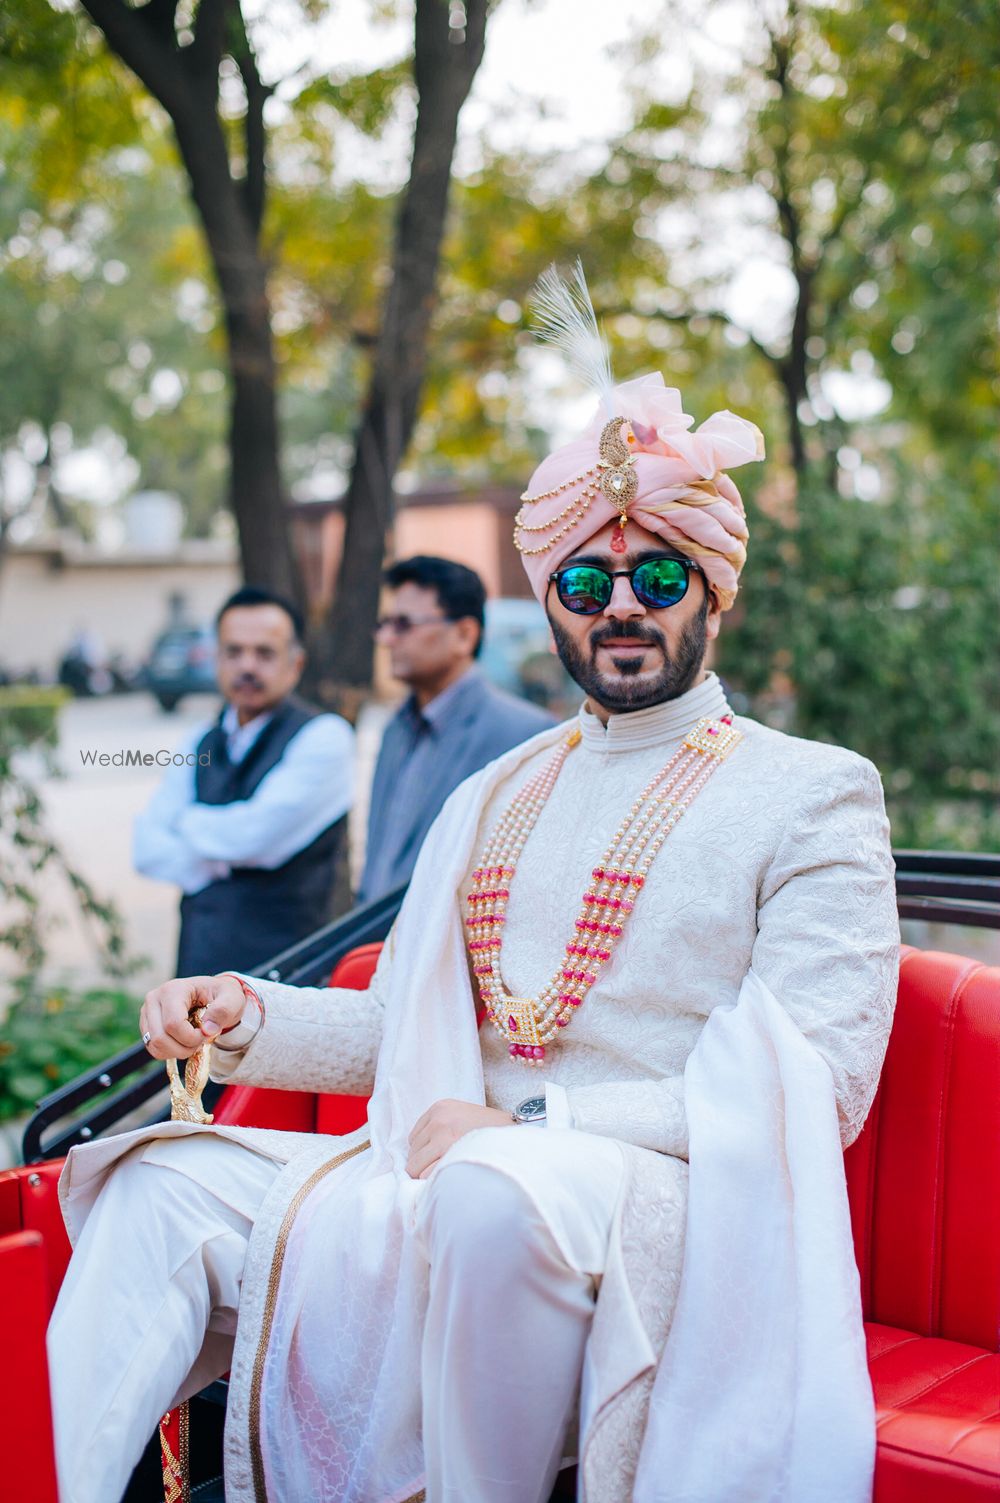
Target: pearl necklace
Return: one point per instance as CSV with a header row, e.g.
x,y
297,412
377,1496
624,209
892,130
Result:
x,y
527,1023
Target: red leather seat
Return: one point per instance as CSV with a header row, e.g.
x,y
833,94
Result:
x,y
924,1186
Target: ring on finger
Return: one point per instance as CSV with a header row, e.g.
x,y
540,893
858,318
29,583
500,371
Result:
x,y
146,1038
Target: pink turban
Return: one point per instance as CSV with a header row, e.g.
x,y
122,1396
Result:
x,y
680,491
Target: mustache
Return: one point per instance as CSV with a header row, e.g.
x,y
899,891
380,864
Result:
x,y
247,682
635,631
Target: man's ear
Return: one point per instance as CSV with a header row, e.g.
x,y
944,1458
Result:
x,y
469,631
713,620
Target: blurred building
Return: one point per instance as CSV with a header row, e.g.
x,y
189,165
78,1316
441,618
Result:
x,y
123,596
473,525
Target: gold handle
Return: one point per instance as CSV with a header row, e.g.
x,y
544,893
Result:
x,y
185,1096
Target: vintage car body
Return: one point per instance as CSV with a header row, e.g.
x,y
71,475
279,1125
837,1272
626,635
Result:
x,y
923,1183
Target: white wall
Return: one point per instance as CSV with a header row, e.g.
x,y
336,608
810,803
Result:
x,y
125,603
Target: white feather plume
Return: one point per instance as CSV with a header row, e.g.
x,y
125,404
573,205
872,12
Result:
x,y
564,316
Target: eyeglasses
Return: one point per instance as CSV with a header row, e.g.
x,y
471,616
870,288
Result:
x,y
400,625
657,583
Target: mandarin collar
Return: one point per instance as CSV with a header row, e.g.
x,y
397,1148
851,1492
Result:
x,y
656,726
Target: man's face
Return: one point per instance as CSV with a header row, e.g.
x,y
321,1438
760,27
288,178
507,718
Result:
x,y
628,656
424,646
259,661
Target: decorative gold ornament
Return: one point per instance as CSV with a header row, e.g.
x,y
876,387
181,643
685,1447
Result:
x,y
185,1097
618,481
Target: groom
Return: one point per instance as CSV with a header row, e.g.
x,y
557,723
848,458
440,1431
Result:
x,y
680,927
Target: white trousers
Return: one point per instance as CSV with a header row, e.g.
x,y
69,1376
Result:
x,y
515,1224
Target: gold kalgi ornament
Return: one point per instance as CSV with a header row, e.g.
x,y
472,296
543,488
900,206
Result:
x,y
618,480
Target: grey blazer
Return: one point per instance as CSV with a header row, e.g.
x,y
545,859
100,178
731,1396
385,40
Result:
x,y
424,757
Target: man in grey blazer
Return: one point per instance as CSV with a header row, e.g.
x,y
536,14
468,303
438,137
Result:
x,y
453,722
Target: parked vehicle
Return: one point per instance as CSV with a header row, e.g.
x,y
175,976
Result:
x,y
182,662
517,656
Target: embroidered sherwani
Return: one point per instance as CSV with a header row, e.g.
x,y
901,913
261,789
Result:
x,y
781,867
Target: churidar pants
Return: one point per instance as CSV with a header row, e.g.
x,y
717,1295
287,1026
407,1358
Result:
x,y
515,1224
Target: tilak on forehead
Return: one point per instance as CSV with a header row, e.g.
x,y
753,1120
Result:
x,y
635,461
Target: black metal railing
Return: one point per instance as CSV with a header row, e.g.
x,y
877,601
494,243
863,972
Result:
x,y
89,1105
932,885
946,888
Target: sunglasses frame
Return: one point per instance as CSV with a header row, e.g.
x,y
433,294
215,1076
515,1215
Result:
x,y
392,623
687,564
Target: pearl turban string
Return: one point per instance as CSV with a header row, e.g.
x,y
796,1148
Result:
x,y
672,482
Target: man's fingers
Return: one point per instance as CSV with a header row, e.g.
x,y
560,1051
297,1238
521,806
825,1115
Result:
x,y
425,1154
421,1125
183,1033
226,1005
165,1017
422,1160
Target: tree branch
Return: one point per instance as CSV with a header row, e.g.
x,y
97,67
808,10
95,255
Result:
x,y
203,55
160,17
142,48
847,208
712,315
254,134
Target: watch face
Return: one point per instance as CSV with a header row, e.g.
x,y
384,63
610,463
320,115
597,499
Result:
x,y
533,1107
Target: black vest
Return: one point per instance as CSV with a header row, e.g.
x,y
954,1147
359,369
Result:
x,y
253,914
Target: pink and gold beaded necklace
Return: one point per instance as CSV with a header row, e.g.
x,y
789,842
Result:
x,y
529,1024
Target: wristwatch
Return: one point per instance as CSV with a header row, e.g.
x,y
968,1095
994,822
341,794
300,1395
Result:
x,y
531,1110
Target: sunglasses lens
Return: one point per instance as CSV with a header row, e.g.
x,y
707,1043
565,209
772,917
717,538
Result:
x,y
584,589
660,582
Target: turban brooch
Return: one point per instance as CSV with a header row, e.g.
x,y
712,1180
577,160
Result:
x,y
635,460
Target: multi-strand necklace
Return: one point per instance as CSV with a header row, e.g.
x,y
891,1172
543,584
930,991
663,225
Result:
x,y
529,1024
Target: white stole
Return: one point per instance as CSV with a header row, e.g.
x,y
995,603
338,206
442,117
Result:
x,y
762,1391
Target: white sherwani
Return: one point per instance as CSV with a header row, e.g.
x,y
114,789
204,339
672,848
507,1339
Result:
x,y
780,868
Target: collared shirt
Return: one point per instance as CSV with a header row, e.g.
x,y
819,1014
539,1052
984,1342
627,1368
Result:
x,y
425,754
176,839
240,738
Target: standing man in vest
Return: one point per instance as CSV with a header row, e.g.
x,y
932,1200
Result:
x,y
250,819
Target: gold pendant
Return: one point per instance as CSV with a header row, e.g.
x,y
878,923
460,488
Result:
x,y
520,1023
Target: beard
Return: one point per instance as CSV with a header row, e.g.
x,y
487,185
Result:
x,y
624,690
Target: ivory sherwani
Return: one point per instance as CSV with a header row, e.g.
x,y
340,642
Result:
x,y
780,868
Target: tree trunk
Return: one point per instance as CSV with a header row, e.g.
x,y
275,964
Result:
x,y
256,493
445,65
186,81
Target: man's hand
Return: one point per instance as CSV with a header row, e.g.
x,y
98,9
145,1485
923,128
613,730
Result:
x,y
443,1124
165,1014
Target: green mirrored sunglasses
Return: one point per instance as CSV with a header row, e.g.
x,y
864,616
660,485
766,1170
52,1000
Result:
x,y
656,583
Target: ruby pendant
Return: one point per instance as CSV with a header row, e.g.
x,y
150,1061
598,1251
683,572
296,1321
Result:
x,y
618,543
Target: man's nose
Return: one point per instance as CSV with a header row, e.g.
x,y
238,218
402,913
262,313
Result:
x,y
624,605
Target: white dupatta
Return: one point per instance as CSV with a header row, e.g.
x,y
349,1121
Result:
x,y
762,1391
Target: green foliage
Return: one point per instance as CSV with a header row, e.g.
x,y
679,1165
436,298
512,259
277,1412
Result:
x,y
854,632
104,284
51,1035
28,853
367,101
868,612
